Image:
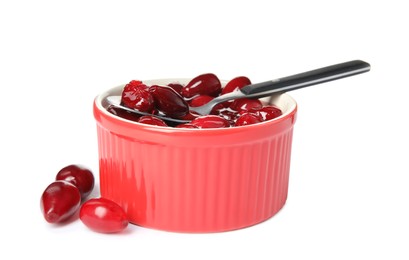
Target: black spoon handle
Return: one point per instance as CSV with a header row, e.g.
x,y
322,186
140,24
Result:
x,y
306,79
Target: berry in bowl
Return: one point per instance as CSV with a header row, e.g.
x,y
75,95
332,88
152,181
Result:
x,y
188,105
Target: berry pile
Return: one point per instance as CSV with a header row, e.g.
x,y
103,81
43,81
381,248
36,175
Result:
x,y
173,100
62,199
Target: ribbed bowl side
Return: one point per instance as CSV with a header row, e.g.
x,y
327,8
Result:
x,y
195,189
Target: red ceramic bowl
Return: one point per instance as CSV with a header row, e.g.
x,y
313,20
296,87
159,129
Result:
x,y
195,180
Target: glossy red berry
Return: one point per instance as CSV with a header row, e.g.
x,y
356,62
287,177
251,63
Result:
x,y
246,104
189,116
200,100
247,119
168,101
205,84
136,83
236,83
136,95
123,113
204,99
59,201
176,86
151,120
103,215
79,176
269,112
210,121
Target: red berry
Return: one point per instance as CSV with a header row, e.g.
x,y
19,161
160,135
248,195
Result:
x,y
176,86
136,95
79,176
168,101
123,113
200,100
189,116
204,99
103,215
59,201
205,84
210,121
246,104
247,119
151,120
135,83
236,83
269,112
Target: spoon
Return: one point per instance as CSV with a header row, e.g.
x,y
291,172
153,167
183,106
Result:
x,y
264,89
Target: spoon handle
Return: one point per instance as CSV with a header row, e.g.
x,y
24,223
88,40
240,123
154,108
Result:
x,y
306,79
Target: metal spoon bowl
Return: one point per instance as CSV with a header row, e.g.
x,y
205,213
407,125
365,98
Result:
x,y
267,88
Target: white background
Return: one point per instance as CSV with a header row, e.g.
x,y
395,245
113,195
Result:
x,y
349,183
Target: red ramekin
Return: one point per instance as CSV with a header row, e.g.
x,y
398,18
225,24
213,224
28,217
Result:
x,y
195,180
